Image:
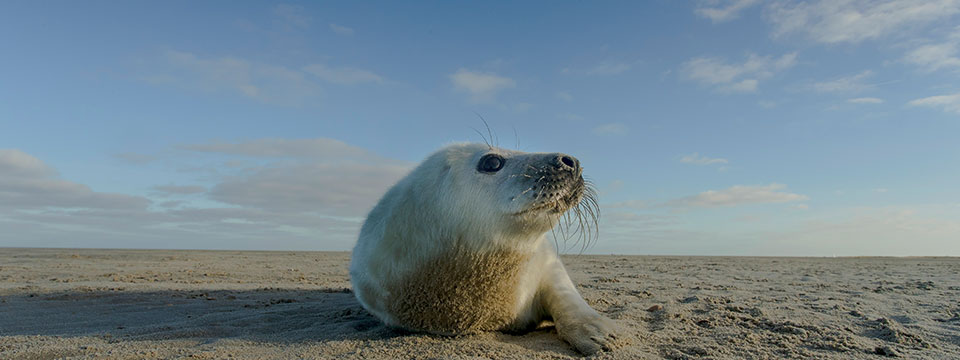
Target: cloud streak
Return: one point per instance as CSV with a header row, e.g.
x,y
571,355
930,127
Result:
x,y
948,103
697,159
483,87
341,30
26,183
739,195
322,175
611,129
180,189
300,193
932,57
852,83
292,15
342,75
854,21
865,100
609,68
321,149
262,82
735,77
723,11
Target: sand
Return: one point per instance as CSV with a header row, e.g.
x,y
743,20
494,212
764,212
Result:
x,y
133,304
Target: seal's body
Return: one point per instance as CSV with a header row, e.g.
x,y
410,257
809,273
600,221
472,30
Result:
x,y
458,246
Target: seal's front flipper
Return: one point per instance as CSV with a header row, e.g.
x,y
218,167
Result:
x,y
589,333
577,323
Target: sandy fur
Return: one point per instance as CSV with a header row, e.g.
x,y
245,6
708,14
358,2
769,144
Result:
x,y
461,292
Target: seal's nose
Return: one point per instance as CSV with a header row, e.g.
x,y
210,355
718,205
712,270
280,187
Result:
x,y
566,162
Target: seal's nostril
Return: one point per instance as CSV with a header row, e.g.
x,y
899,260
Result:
x,y
564,163
570,161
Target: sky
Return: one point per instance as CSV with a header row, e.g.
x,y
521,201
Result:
x,y
745,127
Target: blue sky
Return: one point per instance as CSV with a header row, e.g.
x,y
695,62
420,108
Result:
x,y
710,128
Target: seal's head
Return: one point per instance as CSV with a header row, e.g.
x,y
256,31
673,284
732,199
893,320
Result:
x,y
506,193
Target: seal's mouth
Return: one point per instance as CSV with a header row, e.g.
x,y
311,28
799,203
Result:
x,y
555,199
555,193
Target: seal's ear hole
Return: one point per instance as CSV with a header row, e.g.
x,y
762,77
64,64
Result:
x,y
491,163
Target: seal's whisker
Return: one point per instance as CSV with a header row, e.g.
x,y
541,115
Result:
x,y
563,233
482,137
589,210
516,137
582,230
489,132
553,234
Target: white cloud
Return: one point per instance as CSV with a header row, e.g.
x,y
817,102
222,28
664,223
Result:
x,y
292,15
932,230
949,103
342,75
522,107
767,104
135,158
342,30
721,11
266,83
14,162
740,195
565,96
747,85
853,83
697,159
483,87
602,68
798,231
177,228
26,183
570,117
865,100
320,175
349,189
736,77
293,194
853,21
180,189
317,148
629,204
610,129
609,68
937,56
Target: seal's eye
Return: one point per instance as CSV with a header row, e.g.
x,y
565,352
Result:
x,y
490,163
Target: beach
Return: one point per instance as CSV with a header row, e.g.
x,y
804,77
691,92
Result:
x,y
162,304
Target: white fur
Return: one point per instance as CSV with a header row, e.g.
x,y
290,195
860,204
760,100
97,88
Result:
x,y
446,203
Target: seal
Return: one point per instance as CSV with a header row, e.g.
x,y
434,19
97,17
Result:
x,y
458,246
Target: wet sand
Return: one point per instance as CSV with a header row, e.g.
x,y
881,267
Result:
x,y
160,304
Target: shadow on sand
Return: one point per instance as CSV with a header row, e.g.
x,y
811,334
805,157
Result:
x,y
264,315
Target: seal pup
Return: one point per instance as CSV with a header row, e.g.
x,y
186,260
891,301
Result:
x,y
458,246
